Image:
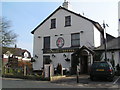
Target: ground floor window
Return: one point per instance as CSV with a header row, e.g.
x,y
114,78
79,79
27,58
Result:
x,y
46,60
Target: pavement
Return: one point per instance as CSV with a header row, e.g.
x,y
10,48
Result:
x,y
84,81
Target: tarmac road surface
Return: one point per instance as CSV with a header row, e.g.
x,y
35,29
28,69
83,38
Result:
x,y
71,83
20,83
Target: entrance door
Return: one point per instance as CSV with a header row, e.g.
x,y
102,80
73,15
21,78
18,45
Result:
x,y
84,65
74,63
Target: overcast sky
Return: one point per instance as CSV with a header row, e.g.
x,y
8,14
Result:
x,y
25,16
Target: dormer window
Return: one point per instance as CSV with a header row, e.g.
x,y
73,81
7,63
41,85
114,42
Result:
x,y
26,55
53,23
67,21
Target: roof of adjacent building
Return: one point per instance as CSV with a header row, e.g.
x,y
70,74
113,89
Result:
x,y
114,44
15,51
96,24
84,48
109,37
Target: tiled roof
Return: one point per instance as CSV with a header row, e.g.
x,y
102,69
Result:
x,y
15,51
114,44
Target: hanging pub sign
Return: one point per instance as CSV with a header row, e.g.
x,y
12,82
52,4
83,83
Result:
x,y
60,42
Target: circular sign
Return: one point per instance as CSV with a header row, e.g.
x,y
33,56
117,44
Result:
x,y
60,42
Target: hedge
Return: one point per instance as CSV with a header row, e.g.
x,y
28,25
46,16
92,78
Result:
x,y
30,77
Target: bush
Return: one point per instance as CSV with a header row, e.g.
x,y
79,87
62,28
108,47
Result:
x,y
59,69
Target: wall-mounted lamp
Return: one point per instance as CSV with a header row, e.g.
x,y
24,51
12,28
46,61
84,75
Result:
x,y
64,55
39,36
81,31
53,55
36,56
56,35
67,59
33,60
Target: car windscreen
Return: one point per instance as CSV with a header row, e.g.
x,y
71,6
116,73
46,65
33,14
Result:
x,y
102,65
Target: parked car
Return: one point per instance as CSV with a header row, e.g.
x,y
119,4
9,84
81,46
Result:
x,y
102,69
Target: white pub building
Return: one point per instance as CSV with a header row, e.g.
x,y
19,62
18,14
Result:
x,y
66,38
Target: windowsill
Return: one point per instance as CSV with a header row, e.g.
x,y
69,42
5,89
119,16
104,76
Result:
x,y
67,25
53,28
75,46
46,49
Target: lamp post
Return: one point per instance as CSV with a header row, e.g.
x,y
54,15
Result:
x,y
105,40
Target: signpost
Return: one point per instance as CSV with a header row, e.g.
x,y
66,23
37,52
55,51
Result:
x,y
78,70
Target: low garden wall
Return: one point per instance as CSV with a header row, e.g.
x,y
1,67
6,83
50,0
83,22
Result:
x,y
56,78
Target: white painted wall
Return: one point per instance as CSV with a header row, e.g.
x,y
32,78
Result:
x,y
37,50
77,24
5,56
61,59
116,56
97,37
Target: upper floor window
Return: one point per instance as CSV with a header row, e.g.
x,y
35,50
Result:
x,y
75,40
46,42
68,21
53,23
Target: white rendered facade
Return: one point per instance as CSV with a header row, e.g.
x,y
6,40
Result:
x,y
89,37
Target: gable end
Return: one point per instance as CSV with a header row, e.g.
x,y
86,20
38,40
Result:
x,y
96,24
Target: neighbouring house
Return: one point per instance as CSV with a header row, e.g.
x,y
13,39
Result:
x,y
113,46
108,37
67,38
15,58
20,54
113,51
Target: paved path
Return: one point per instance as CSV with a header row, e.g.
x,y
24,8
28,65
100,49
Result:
x,y
84,81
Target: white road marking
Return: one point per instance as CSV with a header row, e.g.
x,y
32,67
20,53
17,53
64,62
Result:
x,y
116,80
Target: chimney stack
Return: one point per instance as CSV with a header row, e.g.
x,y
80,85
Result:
x,y
65,4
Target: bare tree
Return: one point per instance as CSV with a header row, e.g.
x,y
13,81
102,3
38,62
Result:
x,y
7,36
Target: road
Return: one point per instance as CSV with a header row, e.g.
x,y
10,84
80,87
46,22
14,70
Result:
x,y
20,83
